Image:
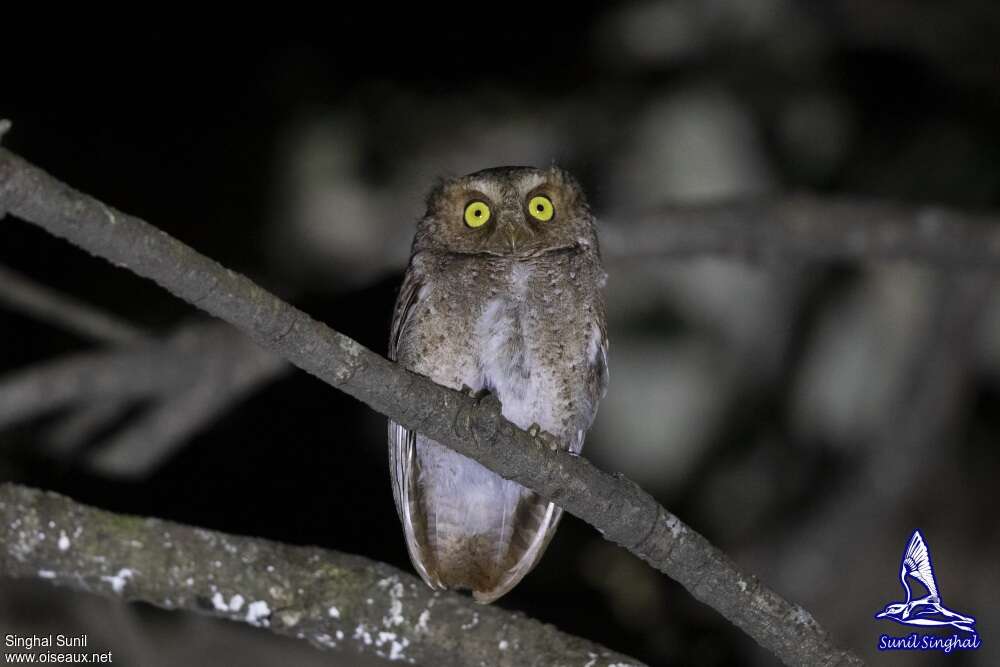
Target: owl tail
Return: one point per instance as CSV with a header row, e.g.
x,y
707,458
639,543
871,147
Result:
x,y
466,527
538,539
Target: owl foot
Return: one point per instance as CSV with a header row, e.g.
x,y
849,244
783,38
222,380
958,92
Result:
x,y
543,437
473,393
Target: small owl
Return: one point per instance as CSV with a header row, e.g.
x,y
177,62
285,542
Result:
x,y
503,294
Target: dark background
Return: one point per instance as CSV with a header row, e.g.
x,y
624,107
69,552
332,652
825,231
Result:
x,y
269,150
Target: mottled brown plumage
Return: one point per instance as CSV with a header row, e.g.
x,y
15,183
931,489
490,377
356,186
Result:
x,y
514,307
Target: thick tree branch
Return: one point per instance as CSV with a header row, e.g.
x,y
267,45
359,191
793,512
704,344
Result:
x,y
622,511
805,227
333,600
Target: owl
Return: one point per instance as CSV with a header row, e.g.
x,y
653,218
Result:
x,y
503,294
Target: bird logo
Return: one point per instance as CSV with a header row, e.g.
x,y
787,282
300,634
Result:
x,y
928,609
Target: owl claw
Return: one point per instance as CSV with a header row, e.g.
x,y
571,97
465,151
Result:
x,y
473,393
544,437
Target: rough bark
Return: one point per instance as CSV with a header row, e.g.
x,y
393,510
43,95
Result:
x,y
333,600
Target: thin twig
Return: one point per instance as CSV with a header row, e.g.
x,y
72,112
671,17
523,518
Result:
x,y
19,292
191,377
83,424
228,372
622,511
28,297
152,367
53,385
333,600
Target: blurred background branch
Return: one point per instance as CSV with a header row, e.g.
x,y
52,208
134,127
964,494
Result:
x,y
901,462
807,228
180,383
22,294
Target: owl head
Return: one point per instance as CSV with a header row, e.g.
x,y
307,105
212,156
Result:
x,y
516,212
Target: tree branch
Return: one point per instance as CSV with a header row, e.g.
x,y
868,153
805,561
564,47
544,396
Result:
x,y
224,375
21,293
76,379
142,370
198,374
622,511
333,600
192,376
809,228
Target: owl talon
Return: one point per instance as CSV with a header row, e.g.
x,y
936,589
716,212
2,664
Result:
x,y
544,437
473,393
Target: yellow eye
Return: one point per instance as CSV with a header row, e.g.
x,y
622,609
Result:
x,y
476,214
540,207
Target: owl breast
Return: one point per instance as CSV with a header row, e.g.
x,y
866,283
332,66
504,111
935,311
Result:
x,y
514,334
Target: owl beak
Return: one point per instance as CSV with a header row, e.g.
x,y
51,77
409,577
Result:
x,y
513,237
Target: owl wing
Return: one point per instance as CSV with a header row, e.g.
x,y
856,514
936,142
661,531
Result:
x,y
402,441
598,371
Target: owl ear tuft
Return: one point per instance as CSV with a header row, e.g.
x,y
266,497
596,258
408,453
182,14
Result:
x,y
434,195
